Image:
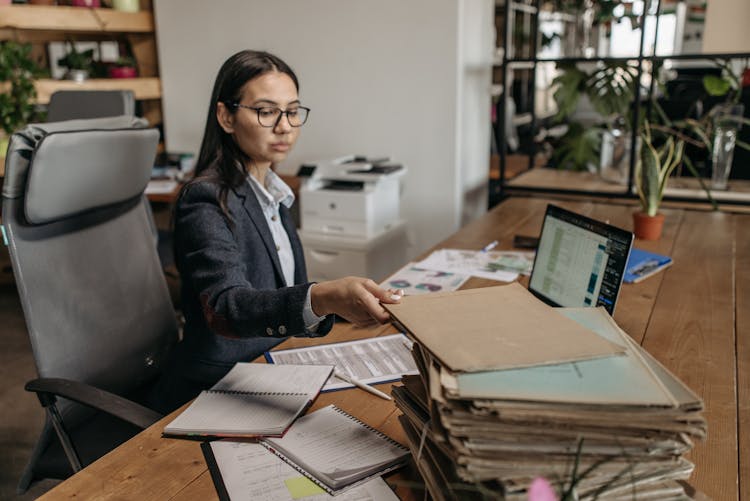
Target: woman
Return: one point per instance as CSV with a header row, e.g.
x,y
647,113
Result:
x,y
242,270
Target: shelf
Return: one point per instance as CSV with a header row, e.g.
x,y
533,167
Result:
x,y
566,180
686,188
143,88
530,61
73,20
678,188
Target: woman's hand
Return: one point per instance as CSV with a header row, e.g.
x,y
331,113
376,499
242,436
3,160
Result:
x,y
354,298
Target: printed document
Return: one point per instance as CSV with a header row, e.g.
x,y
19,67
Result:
x,y
374,360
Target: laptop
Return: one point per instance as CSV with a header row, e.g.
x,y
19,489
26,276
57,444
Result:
x,y
579,261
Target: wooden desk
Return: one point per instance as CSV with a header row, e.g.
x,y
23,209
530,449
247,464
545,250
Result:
x,y
694,317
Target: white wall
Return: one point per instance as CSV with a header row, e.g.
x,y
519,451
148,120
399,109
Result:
x,y
727,27
408,79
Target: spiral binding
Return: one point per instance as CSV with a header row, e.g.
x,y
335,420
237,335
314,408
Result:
x,y
319,482
259,393
370,428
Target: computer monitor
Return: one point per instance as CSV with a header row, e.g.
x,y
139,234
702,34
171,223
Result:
x,y
579,261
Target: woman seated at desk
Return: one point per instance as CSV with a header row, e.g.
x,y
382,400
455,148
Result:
x,y
242,270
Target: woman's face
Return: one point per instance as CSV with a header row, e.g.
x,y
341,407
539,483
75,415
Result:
x,y
264,145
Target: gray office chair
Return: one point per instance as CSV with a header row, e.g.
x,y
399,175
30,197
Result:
x,y
92,290
83,104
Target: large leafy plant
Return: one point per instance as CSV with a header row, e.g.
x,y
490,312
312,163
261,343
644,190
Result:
x,y
610,89
17,95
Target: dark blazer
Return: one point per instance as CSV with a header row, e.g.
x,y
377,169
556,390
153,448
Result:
x,y
234,297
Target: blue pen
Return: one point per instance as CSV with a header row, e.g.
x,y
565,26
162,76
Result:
x,y
489,246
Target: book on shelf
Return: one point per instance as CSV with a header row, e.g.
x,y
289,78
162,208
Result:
x,y
252,400
642,264
336,450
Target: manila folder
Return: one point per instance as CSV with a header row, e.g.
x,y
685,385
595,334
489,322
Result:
x,y
495,328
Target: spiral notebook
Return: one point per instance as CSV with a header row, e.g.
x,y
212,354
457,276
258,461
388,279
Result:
x,y
336,450
252,400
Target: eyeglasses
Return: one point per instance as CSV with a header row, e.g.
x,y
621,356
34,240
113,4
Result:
x,y
269,116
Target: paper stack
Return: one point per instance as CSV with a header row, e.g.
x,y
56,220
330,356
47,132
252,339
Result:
x,y
523,390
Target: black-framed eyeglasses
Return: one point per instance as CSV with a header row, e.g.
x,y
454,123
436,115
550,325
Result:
x,y
269,116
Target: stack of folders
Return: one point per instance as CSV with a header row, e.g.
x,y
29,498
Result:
x,y
533,391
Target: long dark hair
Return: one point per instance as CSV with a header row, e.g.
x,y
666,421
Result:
x,y
220,159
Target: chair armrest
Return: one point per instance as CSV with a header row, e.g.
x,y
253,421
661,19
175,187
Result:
x,y
91,396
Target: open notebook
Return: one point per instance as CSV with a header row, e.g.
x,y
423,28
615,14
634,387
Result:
x,y
336,450
252,400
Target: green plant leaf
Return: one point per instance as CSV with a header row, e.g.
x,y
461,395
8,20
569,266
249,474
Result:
x,y
578,148
18,69
715,85
611,89
568,86
647,173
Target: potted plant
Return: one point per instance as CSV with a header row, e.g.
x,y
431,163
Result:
x,y
18,69
652,170
124,67
79,64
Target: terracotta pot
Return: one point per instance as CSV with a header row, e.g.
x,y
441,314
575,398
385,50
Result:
x,y
647,227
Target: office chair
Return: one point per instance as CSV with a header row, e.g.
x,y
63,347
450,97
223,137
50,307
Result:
x,y
82,104
92,290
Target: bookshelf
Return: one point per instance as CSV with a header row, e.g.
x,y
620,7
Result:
x,y
40,25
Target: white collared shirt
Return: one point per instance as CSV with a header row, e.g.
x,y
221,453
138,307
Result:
x,y
270,197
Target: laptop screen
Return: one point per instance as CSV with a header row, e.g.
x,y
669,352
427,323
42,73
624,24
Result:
x,y
579,261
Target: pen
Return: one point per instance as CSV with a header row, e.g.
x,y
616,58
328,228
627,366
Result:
x,y
489,246
360,384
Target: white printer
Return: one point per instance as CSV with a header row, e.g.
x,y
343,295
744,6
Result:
x,y
351,196
349,215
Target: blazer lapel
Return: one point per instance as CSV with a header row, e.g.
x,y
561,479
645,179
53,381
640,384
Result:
x,y
300,271
252,207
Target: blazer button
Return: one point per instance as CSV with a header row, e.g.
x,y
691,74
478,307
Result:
x,y
282,330
269,331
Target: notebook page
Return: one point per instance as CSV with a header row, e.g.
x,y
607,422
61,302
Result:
x,y
265,378
332,444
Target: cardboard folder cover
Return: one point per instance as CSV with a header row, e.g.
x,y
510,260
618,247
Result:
x,y
496,328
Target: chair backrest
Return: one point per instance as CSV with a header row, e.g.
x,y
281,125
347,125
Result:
x,y
80,237
83,104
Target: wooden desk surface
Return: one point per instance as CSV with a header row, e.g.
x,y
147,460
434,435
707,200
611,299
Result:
x,y
694,317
